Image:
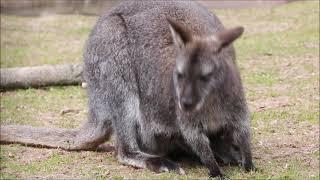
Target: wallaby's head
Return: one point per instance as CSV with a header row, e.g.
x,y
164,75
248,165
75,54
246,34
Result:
x,y
198,67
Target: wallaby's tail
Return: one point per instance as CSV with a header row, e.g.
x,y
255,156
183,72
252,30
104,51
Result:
x,y
38,136
67,139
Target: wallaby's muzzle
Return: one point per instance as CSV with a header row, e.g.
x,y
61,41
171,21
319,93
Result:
x,y
187,103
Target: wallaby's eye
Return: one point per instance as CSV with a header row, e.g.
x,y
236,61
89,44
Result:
x,y
205,78
180,75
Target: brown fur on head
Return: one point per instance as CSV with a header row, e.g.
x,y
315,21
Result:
x,y
198,68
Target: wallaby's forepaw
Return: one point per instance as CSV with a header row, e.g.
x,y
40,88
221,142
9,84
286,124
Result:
x,y
250,167
159,164
216,173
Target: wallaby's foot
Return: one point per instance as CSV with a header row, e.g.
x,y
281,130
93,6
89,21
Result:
x,y
248,166
154,163
216,172
159,164
106,148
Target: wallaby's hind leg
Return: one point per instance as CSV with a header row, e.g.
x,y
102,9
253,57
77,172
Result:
x,y
128,117
97,58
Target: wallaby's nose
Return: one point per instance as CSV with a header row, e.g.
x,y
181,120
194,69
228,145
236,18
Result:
x,y
187,103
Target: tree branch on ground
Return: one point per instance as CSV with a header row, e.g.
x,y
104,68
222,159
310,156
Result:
x,y
46,75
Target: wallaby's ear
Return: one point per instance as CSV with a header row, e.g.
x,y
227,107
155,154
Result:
x,y
227,36
179,34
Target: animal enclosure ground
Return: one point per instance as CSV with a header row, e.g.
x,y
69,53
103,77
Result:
x,y
278,57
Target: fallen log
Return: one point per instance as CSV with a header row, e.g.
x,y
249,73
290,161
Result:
x,y
37,76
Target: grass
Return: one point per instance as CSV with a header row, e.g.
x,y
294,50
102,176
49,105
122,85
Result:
x,y
55,39
278,57
43,107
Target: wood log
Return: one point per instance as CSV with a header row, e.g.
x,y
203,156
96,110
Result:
x,y
37,76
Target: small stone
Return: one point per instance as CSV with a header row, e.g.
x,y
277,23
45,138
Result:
x,y
107,173
11,155
84,85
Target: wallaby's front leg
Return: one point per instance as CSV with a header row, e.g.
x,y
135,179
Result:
x,y
241,137
243,141
224,149
200,145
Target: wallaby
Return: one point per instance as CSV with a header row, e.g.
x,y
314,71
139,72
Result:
x,y
162,78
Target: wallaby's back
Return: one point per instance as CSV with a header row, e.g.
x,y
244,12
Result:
x,y
135,37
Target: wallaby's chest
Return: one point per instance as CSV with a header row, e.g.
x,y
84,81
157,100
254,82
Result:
x,y
214,120
213,126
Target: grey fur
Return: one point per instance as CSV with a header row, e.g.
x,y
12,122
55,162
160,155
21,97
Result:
x,y
130,69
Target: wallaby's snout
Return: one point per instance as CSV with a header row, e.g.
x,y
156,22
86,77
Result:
x,y
187,103
190,100
187,100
